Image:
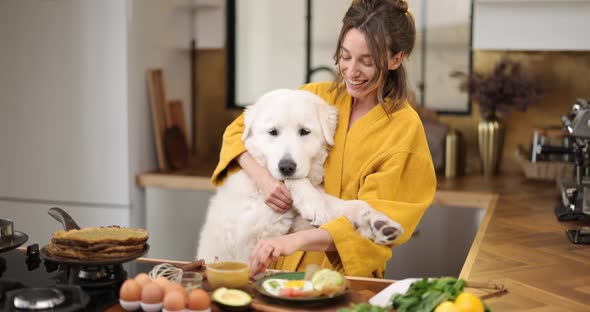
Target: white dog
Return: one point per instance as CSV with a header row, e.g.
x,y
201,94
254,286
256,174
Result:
x,y
288,132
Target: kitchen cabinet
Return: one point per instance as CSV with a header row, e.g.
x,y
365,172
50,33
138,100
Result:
x,y
440,244
74,113
174,218
531,25
63,109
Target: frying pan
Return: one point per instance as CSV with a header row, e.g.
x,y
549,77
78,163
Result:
x,y
69,224
64,218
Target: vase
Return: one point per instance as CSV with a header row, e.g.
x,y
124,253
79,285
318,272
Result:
x,y
490,135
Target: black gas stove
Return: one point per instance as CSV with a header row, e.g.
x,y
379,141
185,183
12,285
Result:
x,y
69,287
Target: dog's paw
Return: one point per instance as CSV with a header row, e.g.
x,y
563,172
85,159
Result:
x,y
318,218
378,227
384,229
308,201
313,211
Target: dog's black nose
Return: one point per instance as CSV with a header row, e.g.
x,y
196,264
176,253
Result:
x,y
287,167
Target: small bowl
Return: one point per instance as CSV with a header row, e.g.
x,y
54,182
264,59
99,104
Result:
x,y
229,274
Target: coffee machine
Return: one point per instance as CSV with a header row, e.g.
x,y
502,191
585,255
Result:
x,y
574,203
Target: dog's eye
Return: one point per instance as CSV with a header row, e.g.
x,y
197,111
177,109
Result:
x,y
304,131
273,132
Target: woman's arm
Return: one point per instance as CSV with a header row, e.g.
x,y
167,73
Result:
x,y
233,153
268,250
402,190
276,195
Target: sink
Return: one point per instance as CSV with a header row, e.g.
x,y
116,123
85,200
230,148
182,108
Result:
x,y
440,243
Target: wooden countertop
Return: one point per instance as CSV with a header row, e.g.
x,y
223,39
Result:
x,y
197,178
525,248
176,181
519,243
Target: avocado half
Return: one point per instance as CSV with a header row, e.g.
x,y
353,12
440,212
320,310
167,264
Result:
x,y
231,299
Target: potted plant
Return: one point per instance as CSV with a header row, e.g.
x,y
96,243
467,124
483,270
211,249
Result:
x,y
497,93
500,91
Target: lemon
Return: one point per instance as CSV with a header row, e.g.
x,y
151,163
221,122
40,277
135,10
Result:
x,y
467,302
447,306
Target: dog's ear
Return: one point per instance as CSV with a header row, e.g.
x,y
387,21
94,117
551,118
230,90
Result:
x,y
328,115
249,114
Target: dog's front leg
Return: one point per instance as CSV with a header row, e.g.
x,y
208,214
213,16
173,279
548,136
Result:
x,y
309,201
368,222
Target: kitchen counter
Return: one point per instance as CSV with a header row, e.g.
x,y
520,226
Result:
x,y
175,181
197,178
519,242
360,290
524,247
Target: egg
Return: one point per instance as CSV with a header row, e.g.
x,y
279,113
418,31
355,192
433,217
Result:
x,y
130,290
198,300
174,301
274,286
162,281
296,284
143,278
172,286
152,293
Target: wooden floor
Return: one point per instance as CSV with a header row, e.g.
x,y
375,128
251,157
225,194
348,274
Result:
x,y
525,248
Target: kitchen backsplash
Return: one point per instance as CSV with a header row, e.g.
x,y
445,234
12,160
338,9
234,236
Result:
x,y
565,76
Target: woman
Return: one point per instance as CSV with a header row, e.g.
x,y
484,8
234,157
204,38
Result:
x,y
380,153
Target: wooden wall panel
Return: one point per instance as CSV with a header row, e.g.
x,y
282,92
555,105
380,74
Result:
x,y
211,115
565,76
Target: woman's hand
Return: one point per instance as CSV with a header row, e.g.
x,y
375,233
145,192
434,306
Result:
x,y
268,250
276,195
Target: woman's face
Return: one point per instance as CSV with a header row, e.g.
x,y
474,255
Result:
x,y
356,65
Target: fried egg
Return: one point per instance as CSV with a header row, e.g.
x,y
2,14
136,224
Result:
x,y
274,285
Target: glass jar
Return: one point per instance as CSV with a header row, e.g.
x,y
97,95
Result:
x,y
191,280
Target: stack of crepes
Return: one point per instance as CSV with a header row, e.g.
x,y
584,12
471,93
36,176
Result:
x,y
97,243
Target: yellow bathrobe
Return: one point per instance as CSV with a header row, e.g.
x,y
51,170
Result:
x,y
383,160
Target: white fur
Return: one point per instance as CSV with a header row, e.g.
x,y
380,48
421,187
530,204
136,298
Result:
x,y
238,217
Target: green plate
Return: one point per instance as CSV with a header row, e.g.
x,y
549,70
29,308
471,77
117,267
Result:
x,y
298,300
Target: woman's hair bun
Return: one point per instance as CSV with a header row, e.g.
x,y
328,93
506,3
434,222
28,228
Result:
x,y
401,5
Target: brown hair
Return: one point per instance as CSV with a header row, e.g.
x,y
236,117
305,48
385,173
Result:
x,y
388,27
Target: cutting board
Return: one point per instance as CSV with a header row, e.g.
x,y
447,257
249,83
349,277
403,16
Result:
x,y
265,304
261,303
177,118
160,114
177,152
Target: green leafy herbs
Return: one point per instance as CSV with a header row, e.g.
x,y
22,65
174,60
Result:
x,y
363,307
274,284
424,295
